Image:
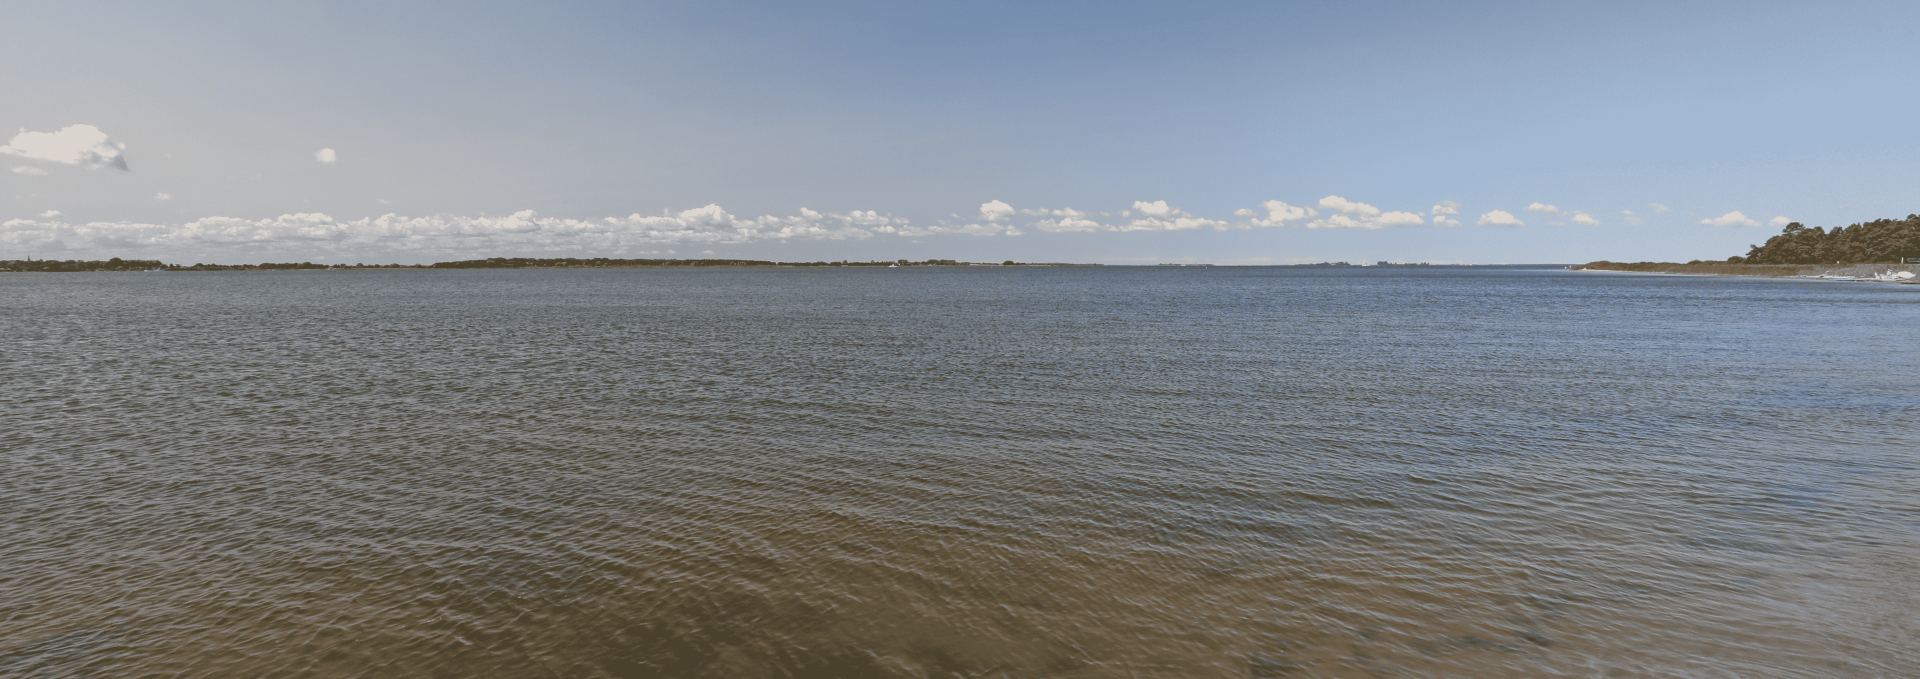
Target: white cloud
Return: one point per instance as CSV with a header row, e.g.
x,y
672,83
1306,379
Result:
x,y
1159,216
1399,219
527,233
1543,208
72,145
1347,207
1144,216
953,230
1446,207
1278,214
995,211
1158,208
521,233
326,156
1779,221
1499,218
23,169
384,201
1730,219
1370,217
1658,208
1369,223
1156,215
1066,220
1632,218
1347,215
50,213
1585,219
1338,221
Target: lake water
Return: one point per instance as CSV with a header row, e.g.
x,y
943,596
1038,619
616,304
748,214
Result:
x,y
957,472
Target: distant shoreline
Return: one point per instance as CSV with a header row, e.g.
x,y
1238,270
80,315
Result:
x,y
117,264
133,265
1855,272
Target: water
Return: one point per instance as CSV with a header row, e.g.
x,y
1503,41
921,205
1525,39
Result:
x,y
942,472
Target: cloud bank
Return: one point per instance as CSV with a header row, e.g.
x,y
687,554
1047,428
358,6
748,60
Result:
x,y
71,145
319,236
521,232
1160,216
1730,219
1278,214
1499,218
996,211
1355,215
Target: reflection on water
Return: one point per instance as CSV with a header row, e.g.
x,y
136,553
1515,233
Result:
x,y
956,473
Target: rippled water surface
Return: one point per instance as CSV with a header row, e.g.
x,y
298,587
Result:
x,y
942,472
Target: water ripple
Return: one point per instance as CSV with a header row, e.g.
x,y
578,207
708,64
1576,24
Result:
x,y
956,473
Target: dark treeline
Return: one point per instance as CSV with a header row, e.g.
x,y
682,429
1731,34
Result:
x,y
118,264
287,266
570,262
595,262
115,264
1878,241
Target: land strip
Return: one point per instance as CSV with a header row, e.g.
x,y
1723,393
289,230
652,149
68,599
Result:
x,y
1697,268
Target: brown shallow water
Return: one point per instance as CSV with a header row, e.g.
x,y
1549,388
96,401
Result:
x,y
957,473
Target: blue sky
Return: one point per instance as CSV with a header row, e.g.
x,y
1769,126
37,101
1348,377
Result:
x,y
1100,132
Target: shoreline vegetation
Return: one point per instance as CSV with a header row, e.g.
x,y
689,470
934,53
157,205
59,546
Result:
x,y
1699,268
1882,249
1867,250
118,264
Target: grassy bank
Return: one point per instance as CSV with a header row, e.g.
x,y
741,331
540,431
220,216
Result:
x,y
1768,270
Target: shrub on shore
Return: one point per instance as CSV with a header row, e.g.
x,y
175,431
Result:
x,y
1736,269
115,264
1861,250
1699,267
1881,240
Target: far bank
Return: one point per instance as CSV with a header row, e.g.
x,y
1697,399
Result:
x,y
1883,249
1866,272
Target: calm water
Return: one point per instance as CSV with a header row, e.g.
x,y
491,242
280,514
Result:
x,y
957,473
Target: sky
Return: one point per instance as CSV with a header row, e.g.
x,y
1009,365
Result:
x,y
1109,132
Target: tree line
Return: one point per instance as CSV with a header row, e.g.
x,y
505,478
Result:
x,y
1878,241
118,264
592,262
599,262
115,264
